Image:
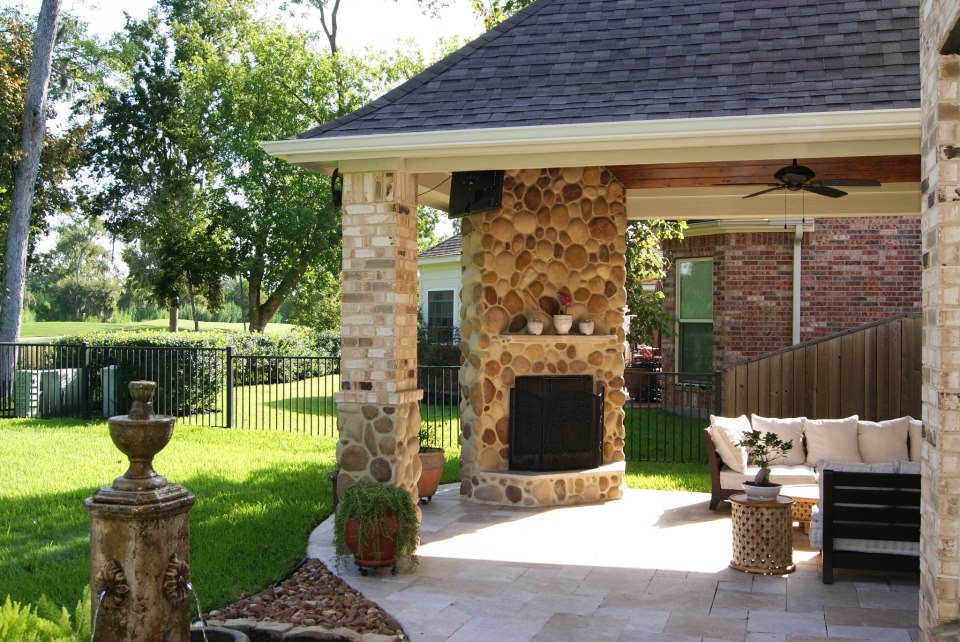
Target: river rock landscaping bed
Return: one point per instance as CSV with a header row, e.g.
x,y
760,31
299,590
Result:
x,y
311,604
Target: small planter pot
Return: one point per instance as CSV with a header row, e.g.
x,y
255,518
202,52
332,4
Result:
x,y
562,323
431,463
534,326
378,549
766,493
586,327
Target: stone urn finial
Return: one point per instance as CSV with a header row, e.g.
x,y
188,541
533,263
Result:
x,y
140,435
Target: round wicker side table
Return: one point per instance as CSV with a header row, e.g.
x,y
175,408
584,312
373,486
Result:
x,y
762,535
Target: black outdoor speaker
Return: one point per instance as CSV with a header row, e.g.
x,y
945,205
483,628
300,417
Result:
x,y
472,192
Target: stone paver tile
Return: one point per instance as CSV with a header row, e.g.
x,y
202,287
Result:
x,y
561,603
744,585
539,580
418,622
506,603
499,628
637,619
884,598
691,624
729,613
813,595
568,626
880,618
602,580
814,638
667,594
774,585
484,570
872,633
762,601
630,635
764,637
785,622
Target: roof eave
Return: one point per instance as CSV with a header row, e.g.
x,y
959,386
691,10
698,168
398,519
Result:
x,y
840,133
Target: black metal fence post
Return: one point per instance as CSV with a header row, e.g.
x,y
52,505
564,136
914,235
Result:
x,y
85,378
229,399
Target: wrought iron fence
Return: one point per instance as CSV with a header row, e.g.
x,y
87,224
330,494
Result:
x,y
664,414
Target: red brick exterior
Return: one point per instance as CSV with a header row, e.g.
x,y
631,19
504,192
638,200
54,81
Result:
x,y
853,271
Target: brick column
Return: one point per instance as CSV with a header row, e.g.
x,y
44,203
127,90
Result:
x,y
940,107
378,403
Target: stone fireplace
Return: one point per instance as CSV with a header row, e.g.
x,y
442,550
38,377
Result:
x,y
556,229
556,423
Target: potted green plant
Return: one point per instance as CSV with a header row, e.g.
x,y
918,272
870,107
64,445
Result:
x,y
762,449
432,461
376,524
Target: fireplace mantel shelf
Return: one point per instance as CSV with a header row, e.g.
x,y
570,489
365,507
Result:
x,y
552,338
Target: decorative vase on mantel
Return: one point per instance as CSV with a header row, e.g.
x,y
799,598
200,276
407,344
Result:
x,y
586,327
534,326
562,323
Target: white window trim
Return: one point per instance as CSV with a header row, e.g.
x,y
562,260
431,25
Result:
x,y
679,321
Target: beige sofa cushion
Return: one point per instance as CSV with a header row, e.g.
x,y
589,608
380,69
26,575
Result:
x,y
831,439
726,433
915,431
787,430
786,475
881,441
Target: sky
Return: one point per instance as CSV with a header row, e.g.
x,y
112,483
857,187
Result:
x,y
360,22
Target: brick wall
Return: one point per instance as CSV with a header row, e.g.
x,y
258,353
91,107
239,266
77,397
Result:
x,y
853,271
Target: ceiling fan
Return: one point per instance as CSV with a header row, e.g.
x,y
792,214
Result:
x,y
797,177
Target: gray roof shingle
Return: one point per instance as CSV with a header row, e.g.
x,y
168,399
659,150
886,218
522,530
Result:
x,y
582,61
448,247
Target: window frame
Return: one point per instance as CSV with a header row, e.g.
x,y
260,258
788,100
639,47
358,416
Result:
x,y
682,321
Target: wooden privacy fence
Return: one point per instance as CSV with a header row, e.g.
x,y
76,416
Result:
x,y
872,371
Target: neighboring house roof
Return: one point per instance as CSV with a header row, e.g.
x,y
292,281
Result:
x,y
448,247
600,61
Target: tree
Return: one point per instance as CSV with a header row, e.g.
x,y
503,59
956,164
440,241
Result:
x,y
75,279
645,263
25,173
153,164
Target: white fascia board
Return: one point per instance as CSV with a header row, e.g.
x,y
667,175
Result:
x,y
737,226
843,133
434,261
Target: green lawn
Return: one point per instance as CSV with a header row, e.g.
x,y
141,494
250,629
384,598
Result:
x,y
259,494
51,329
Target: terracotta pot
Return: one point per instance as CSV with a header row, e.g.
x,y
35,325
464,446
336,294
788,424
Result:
x,y
431,462
366,553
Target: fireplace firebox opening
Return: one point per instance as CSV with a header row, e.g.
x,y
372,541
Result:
x,y
556,423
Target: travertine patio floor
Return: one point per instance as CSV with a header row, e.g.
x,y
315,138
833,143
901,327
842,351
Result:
x,y
652,566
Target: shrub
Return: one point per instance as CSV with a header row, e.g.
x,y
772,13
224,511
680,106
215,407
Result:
x,y
44,623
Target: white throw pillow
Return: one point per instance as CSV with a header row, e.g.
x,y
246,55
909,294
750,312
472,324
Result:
x,y
787,430
831,439
726,433
884,440
916,439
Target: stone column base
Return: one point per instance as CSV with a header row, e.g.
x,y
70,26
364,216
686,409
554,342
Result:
x,y
561,488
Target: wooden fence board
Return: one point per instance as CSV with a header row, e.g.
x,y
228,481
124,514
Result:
x,y
873,371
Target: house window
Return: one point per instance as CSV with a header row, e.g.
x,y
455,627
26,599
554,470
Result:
x,y
695,315
440,315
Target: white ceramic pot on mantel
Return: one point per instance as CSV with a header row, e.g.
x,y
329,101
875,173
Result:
x,y
562,323
534,326
586,327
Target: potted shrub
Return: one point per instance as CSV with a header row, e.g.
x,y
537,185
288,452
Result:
x,y
432,461
376,524
761,450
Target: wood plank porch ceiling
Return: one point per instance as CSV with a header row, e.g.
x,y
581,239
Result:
x,y
886,169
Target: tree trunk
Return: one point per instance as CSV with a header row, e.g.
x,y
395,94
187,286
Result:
x,y
193,310
174,324
24,183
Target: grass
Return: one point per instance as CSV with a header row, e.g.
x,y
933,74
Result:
x,y
259,495
665,476
53,329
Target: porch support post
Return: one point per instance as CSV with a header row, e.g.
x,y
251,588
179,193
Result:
x,y
378,403
940,225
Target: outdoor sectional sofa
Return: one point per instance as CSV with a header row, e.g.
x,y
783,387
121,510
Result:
x,y
868,476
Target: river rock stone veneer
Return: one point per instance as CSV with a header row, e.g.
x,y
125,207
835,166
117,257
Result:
x,y
556,229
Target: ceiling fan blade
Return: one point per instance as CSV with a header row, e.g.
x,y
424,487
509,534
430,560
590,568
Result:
x,y
823,190
849,182
764,191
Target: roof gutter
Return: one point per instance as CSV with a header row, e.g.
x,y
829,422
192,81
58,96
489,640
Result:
x,y
671,140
